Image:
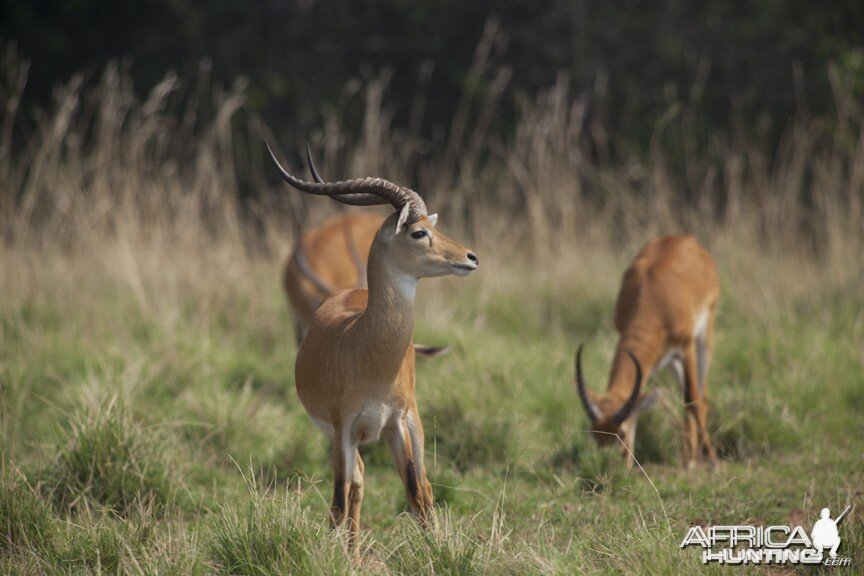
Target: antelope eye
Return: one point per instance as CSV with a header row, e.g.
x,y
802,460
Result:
x,y
418,234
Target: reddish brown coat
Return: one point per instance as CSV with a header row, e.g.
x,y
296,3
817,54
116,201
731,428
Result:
x,y
665,316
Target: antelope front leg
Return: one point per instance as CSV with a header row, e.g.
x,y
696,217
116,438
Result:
x,y
698,441
705,346
629,440
355,501
707,449
343,462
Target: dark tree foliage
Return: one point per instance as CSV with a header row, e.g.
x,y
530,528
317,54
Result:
x,y
745,57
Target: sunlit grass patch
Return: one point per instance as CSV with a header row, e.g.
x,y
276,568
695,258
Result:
x,y
274,534
98,549
26,521
108,460
240,426
747,423
452,547
469,439
602,470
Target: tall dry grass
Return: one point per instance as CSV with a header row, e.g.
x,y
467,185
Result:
x,y
176,186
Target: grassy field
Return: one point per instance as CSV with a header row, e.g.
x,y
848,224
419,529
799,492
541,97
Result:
x,y
150,424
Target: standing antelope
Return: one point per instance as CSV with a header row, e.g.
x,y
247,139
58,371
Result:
x,y
355,368
665,315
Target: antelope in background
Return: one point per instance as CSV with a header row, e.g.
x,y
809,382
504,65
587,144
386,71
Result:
x,y
329,258
665,315
326,259
355,367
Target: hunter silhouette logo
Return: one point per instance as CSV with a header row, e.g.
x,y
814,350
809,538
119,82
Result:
x,y
771,544
825,533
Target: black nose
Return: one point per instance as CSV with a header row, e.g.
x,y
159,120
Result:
x,y
473,257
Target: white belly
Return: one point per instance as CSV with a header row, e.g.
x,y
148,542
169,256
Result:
x,y
669,359
673,359
701,325
325,427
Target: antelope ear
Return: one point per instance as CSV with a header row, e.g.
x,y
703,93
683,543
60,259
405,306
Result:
x,y
433,219
403,217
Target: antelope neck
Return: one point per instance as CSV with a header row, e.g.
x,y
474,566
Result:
x,y
623,374
389,317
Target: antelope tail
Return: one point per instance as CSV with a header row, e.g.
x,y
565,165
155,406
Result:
x,y
430,351
309,273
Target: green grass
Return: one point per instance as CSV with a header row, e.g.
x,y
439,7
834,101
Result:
x,y
25,520
271,535
107,461
168,438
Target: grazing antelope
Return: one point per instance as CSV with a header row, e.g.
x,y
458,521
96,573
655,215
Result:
x,y
665,315
355,367
329,258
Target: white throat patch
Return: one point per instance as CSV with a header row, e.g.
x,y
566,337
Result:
x,y
405,286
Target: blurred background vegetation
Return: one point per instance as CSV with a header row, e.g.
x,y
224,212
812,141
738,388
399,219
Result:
x,y
750,64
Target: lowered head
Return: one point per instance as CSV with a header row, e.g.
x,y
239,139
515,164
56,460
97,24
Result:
x,y
612,416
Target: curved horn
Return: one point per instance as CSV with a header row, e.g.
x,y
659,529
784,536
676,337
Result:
x,y
625,411
315,175
357,192
593,412
347,192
